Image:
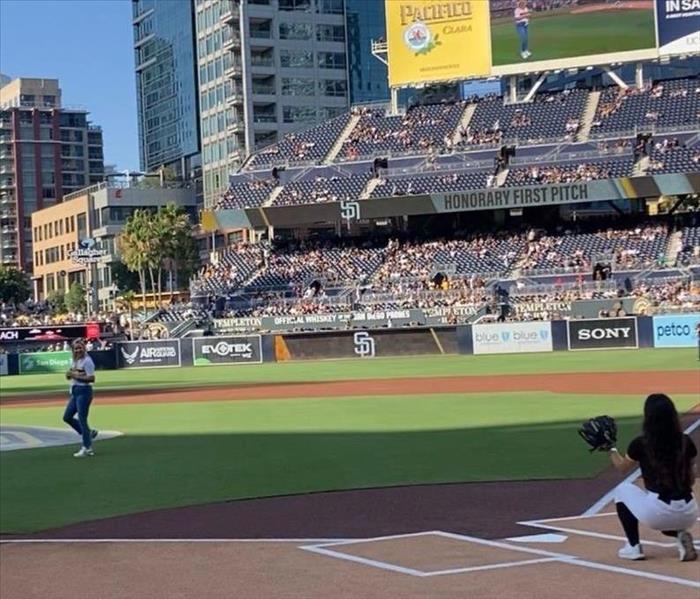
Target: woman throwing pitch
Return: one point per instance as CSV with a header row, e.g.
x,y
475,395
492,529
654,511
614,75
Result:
x,y
666,457
81,376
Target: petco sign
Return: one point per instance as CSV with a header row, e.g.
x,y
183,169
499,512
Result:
x,y
227,350
676,330
156,353
603,333
512,337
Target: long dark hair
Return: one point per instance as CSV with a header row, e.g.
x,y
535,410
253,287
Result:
x,y
665,442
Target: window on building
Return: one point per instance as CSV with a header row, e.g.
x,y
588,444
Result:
x,y
330,33
301,59
297,86
299,114
46,133
331,60
298,5
296,31
333,87
82,226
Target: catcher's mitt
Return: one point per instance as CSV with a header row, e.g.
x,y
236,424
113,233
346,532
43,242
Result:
x,y
600,433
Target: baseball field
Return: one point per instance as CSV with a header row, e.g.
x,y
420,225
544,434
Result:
x,y
564,33
467,446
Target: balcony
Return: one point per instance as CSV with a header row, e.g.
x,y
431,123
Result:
x,y
264,118
235,126
232,42
229,12
234,97
263,90
9,258
6,169
262,61
233,71
7,183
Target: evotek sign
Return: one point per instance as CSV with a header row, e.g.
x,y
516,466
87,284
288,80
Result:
x,y
512,337
227,350
603,333
156,353
364,344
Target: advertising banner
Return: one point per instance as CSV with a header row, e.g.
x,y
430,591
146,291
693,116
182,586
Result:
x,y
49,333
437,41
676,330
603,333
45,362
678,23
208,351
512,337
3,364
156,353
532,31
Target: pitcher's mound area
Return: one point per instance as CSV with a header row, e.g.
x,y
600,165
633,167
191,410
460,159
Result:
x,y
13,437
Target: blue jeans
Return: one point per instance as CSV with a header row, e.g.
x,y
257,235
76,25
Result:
x,y
80,399
522,34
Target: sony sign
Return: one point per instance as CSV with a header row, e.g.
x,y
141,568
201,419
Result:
x,y
603,333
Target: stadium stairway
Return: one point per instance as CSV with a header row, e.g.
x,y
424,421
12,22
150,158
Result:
x,y
273,196
501,177
675,245
588,115
463,123
369,188
338,145
641,166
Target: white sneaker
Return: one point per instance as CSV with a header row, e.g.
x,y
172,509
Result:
x,y
686,549
631,552
523,55
528,53
84,452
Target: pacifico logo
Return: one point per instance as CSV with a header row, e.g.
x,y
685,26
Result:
x,y
604,333
435,12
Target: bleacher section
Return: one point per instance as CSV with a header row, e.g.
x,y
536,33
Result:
x,y
548,117
234,266
569,172
673,103
421,130
310,145
319,188
690,246
673,159
417,184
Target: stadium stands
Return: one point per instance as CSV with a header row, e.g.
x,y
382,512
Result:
x,y
569,172
322,189
690,246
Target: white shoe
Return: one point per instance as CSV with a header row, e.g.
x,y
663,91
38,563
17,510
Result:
x,y
523,55
528,53
631,552
84,452
686,549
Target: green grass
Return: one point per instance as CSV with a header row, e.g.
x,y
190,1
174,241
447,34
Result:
x,y
184,454
425,366
566,35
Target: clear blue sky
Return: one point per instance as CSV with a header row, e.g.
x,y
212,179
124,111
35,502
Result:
x,y
87,45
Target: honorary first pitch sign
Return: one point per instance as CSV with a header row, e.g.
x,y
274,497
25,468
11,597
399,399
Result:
x,y
227,350
437,41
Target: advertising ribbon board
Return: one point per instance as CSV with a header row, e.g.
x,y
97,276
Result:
x,y
512,337
437,41
603,333
678,23
208,351
45,362
155,353
676,330
57,332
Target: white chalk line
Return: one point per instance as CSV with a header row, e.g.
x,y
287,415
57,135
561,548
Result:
x,y
145,541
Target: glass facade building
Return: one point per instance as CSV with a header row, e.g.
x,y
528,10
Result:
x,y
166,84
365,21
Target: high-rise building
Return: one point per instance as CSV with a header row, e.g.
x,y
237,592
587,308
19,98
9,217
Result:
x,y
46,151
166,85
368,76
265,68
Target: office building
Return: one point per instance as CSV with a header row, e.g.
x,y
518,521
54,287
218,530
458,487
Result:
x,y
368,76
98,214
46,151
166,87
265,68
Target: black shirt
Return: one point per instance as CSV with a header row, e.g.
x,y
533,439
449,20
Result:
x,y
637,450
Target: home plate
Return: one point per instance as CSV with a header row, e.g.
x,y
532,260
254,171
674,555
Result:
x,y
13,437
542,538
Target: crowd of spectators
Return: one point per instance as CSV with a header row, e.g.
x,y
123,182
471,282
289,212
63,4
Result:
x,y
569,173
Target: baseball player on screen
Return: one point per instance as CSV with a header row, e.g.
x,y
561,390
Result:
x,y
522,21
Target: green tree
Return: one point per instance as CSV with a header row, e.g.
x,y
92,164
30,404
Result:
x,y
57,301
136,246
14,286
123,278
75,298
179,250
126,300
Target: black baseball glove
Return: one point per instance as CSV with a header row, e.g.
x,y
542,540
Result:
x,y
600,433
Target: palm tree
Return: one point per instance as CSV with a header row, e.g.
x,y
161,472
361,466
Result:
x,y
127,300
135,244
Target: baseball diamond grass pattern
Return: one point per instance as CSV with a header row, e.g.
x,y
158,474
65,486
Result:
x,y
178,454
335,370
565,35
